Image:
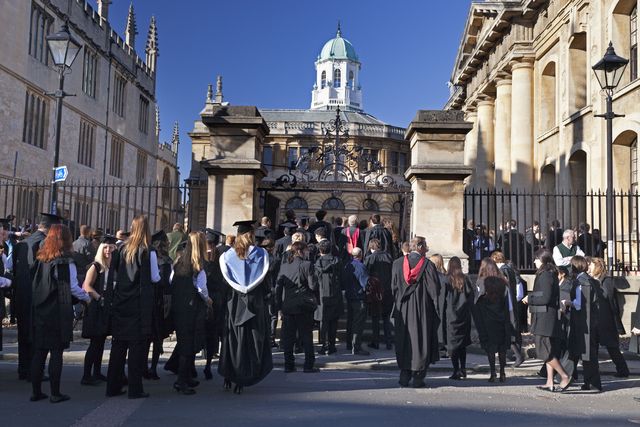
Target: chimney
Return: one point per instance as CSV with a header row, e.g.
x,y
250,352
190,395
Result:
x,y
103,9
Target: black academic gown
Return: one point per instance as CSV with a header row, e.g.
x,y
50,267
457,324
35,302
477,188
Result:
x,y
492,320
378,265
132,307
328,274
609,324
24,257
188,311
96,320
281,246
52,308
246,347
219,293
514,317
382,234
583,339
458,315
415,315
442,309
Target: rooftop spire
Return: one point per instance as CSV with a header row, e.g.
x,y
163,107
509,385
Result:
x,y
157,121
132,30
339,32
210,94
219,97
175,138
152,45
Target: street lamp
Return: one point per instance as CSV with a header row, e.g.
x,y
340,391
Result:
x,y
609,71
64,49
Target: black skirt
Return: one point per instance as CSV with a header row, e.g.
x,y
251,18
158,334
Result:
x,y
547,348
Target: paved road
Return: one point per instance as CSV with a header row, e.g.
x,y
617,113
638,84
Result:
x,y
330,398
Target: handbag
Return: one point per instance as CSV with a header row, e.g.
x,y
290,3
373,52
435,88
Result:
x,y
299,299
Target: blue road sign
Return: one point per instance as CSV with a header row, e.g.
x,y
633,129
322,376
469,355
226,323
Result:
x,y
61,174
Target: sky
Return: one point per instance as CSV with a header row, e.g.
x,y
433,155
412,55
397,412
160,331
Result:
x,y
265,51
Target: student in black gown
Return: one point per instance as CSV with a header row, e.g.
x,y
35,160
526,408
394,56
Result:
x,y
98,283
218,292
583,339
378,263
459,295
328,274
415,286
162,327
546,325
246,349
189,303
438,261
609,323
132,310
295,286
24,258
55,283
516,293
491,316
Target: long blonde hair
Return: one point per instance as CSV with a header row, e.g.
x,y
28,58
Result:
x,y
192,259
104,264
599,268
139,239
242,244
439,262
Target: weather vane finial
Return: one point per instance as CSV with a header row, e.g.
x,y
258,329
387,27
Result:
x,y
339,33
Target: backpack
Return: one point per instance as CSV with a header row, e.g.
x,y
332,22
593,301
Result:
x,y
374,291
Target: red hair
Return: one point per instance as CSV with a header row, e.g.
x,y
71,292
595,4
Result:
x,y
58,243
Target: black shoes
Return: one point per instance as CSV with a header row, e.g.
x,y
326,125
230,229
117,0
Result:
x,y
463,372
100,377
311,370
419,383
289,369
116,393
37,397
142,395
90,381
456,376
360,352
621,374
207,373
227,384
183,389
238,389
59,398
322,351
492,377
503,377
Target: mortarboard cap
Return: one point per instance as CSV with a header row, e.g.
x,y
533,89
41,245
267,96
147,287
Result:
x,y
264,233
212,235
244,226
159,236
108,239
48,220
290,226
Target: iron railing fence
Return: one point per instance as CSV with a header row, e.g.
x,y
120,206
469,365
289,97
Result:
x,y
492,209
110,206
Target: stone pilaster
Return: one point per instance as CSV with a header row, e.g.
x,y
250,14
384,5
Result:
x,y
233,165
437,174
522,125
485,142
502,134
471,145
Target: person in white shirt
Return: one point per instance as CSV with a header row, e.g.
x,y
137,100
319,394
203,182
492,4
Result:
x,y
567,249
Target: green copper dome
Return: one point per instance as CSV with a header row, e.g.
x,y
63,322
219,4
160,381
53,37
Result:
x,y
338,48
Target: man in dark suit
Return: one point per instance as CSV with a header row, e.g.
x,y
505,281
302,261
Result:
x,y
321,223
377,231
512,244
585,239
25,254
284,242
554,236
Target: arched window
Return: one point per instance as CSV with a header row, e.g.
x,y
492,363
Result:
x,y
624,36
548,97
337,78
323,80
296,202
351,80
370,205
579,71
333,204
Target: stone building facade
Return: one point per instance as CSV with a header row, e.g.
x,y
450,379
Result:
x,y
287,136
110,128
523,77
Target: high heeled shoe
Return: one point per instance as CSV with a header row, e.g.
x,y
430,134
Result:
x,y
183,389
503,377
207,373
226,384
492,377
238,389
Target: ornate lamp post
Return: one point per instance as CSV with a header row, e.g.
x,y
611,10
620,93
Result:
x,y
609,71
64,49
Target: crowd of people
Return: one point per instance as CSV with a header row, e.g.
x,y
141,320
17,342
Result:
x,y
226,295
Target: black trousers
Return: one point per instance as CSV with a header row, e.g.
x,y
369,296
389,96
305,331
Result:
x,y
328,333
25,351
185,363
356,317
459,359
618,360
273,312
93,357
591,368
55,369
406,375
136,362
386,326
302,324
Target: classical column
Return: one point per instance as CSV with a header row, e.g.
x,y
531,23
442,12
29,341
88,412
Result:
x,y
485,160
502,134
471,146
522,125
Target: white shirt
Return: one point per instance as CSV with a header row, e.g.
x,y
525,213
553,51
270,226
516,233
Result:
x,y
155,271
4,282
559,260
